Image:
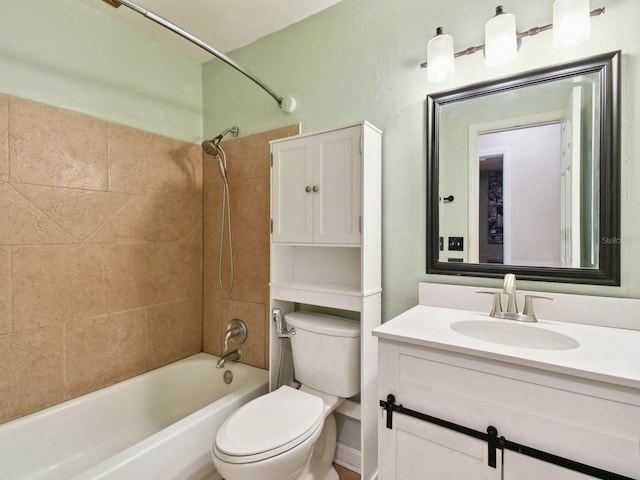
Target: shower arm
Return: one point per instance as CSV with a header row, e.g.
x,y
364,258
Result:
x,y
286,104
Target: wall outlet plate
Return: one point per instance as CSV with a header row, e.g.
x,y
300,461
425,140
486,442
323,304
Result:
x,y
456,244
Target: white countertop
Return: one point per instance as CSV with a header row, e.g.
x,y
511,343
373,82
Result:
x,y
605,354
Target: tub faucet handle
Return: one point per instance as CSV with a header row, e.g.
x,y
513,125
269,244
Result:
x,y
237,330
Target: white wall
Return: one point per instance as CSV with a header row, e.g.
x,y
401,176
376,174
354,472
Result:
x,y
533,195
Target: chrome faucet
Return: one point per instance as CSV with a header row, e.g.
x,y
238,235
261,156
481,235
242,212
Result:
x,y
237,330
233,355
509,289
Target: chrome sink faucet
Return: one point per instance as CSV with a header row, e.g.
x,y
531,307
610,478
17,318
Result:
x,y
509,289
233,355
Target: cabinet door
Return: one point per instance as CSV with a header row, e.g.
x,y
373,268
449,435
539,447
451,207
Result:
x,y
337,176
417,450
521,467
292,193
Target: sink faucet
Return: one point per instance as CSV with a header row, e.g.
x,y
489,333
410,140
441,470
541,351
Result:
x,y
509,289
233,355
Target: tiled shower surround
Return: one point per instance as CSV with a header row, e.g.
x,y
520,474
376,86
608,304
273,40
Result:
x,y
248,167
100,253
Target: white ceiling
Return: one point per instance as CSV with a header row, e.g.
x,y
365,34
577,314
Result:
x,y
223,24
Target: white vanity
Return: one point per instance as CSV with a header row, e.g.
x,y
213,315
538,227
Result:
x,y
553,387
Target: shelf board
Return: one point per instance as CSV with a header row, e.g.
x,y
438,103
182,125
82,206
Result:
x,y
350,409
348,297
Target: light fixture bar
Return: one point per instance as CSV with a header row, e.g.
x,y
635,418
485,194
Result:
x,y
528,33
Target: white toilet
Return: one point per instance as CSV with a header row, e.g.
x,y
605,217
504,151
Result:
x,y
290,434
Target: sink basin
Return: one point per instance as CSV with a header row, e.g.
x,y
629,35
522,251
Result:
x,y
515,335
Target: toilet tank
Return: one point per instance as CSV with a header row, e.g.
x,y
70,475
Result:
x,y
326,352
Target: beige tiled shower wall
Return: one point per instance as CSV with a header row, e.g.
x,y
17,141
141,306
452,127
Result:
x,y
248,165
100,254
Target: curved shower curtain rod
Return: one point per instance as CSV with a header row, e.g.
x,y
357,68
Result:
x,y
287,104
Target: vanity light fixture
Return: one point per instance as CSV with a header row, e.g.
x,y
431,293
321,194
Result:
x,y
572,22
569,21
440,57
500,38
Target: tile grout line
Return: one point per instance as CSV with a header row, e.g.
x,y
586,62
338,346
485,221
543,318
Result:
x,y
11,247
9,142
76,240
64,362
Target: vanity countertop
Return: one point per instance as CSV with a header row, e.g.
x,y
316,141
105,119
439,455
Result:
x,y
605,354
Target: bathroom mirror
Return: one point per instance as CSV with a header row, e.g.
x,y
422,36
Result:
x,y
523,175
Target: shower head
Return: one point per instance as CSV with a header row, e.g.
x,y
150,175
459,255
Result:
x,y
211,146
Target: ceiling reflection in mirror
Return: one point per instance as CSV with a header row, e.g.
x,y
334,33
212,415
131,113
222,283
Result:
x,y
517,169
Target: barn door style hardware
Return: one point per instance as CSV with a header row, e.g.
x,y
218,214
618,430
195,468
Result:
x,y
496,442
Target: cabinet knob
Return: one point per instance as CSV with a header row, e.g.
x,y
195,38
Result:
x,y
307,189
316,188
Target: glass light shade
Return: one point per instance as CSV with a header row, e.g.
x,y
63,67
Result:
x,y
440,62
500,39
571,22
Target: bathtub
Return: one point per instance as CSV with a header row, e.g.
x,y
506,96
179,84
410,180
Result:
x,y
159,425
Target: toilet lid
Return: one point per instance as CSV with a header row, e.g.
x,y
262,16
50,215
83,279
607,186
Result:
x,y
269,425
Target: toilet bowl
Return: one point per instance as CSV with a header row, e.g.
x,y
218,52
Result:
x,y
290,434
270,438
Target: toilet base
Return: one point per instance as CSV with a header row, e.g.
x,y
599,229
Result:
x,y
320,467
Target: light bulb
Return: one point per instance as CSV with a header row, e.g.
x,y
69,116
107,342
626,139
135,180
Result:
x,y
571,22
440,62
500,38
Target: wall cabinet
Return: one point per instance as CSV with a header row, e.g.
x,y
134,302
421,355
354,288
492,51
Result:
x,y
587,421
316,192
326,254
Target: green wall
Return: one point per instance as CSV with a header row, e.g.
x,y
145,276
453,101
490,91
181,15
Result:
x,y
64,53
359,60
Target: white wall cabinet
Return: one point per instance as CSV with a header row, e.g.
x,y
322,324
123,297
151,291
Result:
x,y
587,421
326,253
316,188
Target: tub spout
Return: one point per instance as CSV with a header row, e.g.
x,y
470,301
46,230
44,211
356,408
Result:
x,y
233,355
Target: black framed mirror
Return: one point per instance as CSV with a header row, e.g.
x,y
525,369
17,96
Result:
x,y
523,175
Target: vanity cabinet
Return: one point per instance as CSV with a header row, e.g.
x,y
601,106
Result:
x,y
426,451
326,257
316,191
588,421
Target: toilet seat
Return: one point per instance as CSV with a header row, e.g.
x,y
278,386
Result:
x,y
269,425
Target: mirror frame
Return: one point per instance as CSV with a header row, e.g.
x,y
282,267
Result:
x,y
607,66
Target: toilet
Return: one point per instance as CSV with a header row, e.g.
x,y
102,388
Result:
x,y
290,434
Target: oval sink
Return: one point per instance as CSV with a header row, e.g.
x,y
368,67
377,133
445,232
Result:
x,y
515,335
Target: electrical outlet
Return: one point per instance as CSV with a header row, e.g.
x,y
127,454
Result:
x,y
441,244
456,244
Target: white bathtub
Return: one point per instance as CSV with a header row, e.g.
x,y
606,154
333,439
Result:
x,y
159,425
